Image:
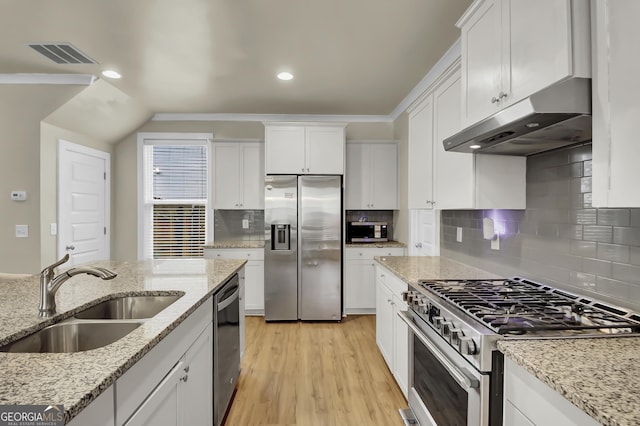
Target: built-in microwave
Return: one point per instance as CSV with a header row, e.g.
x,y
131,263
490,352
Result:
x,y
366,232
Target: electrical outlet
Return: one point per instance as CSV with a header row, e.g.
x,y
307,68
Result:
x,y
53,228
459,234
495,242
245,223
22,231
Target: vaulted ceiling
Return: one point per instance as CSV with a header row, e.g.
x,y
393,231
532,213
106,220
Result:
x,y
222,56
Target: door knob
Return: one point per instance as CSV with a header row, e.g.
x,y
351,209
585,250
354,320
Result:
x,y
70,247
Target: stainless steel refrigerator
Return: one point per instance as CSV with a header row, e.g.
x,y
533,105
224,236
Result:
x,y
303,248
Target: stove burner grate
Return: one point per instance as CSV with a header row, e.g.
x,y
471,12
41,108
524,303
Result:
x,y
518,306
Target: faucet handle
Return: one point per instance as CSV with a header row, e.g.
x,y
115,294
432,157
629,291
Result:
x,y
49,269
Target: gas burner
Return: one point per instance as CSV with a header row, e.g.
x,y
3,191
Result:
x,y
519,306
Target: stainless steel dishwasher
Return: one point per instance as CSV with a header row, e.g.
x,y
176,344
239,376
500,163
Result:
x,y
226,346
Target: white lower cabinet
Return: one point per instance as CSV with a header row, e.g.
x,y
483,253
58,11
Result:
x,y
254,275
173,383
392,334
359,278
529,402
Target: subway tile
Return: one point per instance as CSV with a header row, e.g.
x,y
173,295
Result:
x,y
580,185
613,252
625,272
601,268
635,217
587,200
587,169
602,234
634,255
626,236
613,288
547,159
577,170
572,232
615,217
576,201
584,248
581,153
583,216
582,281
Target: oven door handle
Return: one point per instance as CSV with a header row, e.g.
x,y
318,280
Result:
x,y
458,374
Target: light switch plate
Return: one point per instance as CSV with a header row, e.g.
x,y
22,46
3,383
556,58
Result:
x,y
245,223
22,231
53,228
459,234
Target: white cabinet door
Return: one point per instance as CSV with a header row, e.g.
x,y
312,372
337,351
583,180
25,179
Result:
x,y
360,288
161,407
400,346
371,180
453,171
284,149
384,322
254,291
482,62
615,103
195,391
383,171
421,155
325,150
357,185
252,189
227,176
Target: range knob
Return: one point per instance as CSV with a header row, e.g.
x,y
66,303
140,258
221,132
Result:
x,y
467,346
420,304
437,322
408,296
454,336
446,328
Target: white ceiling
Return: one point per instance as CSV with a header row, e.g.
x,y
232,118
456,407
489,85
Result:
x,y
349,57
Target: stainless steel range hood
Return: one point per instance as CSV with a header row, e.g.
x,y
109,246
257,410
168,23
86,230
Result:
x,y
557,116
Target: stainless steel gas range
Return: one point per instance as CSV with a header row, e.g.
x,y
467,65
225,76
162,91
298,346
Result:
x,y
455,368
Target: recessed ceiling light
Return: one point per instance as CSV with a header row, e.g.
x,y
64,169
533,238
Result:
x,y
285,76
532,125
111,74
475,146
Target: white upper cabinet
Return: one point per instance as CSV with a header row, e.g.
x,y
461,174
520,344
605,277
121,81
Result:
x,y
616,92
294,148
514,48
238,175
371,179
451,180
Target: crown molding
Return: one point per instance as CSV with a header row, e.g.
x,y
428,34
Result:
x,y
448,59
41,78
272,117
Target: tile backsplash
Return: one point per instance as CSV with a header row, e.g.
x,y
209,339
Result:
x,y
560,238
228,225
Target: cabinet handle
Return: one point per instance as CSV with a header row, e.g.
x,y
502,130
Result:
x,y
186,369
494,100
302,169
389,300
184,378
360,254
307,169
502,95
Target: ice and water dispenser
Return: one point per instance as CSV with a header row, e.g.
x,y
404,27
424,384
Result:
x,y
280,237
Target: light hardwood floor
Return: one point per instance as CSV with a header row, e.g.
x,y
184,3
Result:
x,y
314,374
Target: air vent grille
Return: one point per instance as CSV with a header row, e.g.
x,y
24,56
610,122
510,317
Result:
x,y
62,53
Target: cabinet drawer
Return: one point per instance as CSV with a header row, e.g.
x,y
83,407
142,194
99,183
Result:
x,y
352,253
390,280
249,254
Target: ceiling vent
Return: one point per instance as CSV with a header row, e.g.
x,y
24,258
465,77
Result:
x,y
62,53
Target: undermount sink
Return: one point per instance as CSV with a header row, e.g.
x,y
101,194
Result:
x,y
72,337
128,307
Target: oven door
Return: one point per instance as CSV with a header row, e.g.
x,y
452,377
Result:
x,y
445,390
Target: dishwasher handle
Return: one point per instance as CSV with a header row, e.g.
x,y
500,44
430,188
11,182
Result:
x,y
228,300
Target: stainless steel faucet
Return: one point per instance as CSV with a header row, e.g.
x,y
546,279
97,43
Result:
x,y
49,283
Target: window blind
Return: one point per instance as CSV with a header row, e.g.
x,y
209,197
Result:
x,y
176,197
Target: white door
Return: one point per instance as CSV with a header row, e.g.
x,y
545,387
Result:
x,y
424,232
83,203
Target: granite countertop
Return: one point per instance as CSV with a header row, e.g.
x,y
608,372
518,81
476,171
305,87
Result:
x,y
233,244
599,376
412,269
383,244
76,379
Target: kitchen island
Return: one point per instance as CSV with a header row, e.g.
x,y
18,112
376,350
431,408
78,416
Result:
x,y
76,379
597,375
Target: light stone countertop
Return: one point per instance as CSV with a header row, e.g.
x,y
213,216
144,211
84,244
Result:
x,y
383,244
76,379
599,376
412,269
234,244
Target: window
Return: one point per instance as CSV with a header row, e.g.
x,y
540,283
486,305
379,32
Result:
x,y
174,214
